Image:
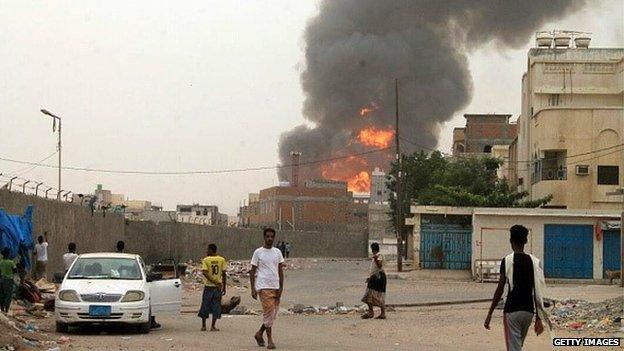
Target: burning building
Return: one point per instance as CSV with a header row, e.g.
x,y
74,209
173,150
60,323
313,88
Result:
x,y
356,48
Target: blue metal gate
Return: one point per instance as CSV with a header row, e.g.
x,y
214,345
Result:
x,y
611,250
568,251
445,246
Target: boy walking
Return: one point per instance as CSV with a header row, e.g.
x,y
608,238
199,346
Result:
x,y
7,269
267,282
213,268
525,279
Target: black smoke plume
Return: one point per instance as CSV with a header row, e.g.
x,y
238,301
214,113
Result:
x,y
356,48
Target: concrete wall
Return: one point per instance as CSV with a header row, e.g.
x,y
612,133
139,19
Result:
x,y
67,222
490,237
490,229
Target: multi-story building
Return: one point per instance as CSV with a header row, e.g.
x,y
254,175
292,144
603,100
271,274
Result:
x,y
379,213
379,193
315,205
482,133
248,213
571,127
200,214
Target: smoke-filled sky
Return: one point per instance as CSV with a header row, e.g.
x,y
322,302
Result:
x,y
155,85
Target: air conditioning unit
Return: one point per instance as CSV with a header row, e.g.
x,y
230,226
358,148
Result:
x,y
582,170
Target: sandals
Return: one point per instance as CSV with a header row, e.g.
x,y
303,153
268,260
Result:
x,y
259,340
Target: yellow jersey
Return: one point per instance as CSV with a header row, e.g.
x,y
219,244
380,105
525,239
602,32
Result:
x,y
215,266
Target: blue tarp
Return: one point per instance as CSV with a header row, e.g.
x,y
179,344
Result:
x,y
16,234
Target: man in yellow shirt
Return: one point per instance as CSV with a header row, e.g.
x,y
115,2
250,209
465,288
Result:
x,y
213,268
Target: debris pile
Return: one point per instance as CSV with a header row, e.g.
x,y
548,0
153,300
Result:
x,y
237,273
602,317
338,308
18,334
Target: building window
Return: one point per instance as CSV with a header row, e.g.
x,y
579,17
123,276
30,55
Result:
x,y
198,213
608,175
520,181
554,100
487,149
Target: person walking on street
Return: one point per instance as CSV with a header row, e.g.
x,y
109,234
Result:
x,y
7,270
525,279
267,283
375,286
213,268
70,256
41,256
288,250
121,246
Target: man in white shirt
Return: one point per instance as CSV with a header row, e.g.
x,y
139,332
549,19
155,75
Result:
x,y
41,256
70,256
267,282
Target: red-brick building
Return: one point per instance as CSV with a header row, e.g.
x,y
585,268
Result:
x,y
314,206
482,132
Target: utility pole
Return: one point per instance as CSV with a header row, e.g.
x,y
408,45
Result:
x,y
56,118
399,184
620,192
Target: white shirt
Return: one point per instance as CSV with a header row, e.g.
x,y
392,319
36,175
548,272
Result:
x,y
68,259
267,262
373,268
42,252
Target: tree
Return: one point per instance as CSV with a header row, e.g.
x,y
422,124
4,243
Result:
x,y
431,179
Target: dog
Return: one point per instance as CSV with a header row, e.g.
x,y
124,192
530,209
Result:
x,y
613,275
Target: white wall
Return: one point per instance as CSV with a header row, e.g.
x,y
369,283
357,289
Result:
x,y
493,232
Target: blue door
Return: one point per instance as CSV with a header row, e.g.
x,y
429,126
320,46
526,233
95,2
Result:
x,y
611,250
445,246
568,251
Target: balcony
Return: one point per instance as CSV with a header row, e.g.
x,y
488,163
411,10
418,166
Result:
x,y
551,167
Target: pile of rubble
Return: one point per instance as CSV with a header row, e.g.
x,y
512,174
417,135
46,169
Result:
x,y
338,308
17,333
603,317
237,273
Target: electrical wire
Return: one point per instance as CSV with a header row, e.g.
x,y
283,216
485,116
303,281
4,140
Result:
x,y
233,170
27,169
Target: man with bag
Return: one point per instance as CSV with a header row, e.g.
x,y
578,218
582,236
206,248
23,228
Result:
x,y
525,280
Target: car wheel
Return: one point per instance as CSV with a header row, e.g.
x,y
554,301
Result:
x,y
144,328
62,327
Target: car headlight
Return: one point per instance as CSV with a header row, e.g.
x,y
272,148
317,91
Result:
x,y
69,295
133,296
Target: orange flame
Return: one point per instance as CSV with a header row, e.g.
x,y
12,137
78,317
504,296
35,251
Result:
x,y
368,109
348,171
360,183
372,136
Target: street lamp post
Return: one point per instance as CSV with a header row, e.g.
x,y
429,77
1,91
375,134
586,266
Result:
x,y
56,118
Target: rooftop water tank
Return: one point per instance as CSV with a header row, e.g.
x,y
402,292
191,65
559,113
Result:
x,y
582,41
562,40
544,39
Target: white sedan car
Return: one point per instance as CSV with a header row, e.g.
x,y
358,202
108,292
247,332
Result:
x,y
113,288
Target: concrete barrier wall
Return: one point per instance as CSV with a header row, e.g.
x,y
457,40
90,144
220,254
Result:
x,y
66,223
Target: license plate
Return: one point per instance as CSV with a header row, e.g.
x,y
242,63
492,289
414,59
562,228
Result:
x,y
99,311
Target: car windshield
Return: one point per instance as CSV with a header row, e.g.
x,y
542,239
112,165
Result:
x,y
105,268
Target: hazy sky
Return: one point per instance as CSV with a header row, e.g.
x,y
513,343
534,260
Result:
x,y
155,85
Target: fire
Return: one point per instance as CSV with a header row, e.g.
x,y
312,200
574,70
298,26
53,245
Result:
x,y
373,136
348,171
366,110
360,183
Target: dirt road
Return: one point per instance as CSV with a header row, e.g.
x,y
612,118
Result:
x,y
328,282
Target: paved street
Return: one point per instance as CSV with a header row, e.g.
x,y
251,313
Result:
x,y
324,283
